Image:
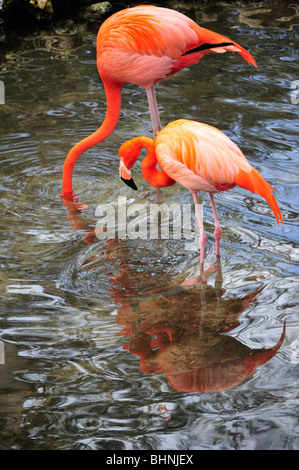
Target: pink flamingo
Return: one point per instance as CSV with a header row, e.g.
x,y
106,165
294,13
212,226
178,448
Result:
x,y
144,45
201,158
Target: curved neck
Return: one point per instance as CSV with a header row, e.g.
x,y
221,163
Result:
x,y
150,172
113,97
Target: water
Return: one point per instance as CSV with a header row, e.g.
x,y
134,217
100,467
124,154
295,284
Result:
x,y
121,344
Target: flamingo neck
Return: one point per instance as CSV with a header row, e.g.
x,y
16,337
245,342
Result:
x,y
113,97
157,178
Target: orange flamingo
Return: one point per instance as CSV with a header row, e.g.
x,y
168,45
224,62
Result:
x,y
144,45
201,158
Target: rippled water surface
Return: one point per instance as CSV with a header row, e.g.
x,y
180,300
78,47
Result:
x,y
120,343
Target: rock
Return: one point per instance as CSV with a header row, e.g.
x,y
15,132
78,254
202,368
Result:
x,y
100,8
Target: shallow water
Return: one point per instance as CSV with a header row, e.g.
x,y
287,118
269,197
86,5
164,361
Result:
x,y
121,343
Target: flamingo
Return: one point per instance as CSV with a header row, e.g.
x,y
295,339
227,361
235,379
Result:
x,y
144,45
199,157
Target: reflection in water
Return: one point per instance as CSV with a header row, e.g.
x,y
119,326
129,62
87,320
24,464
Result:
x,y
283,14
75,209
184,335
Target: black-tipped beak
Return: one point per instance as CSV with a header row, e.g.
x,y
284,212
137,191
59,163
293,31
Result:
x,y
130,183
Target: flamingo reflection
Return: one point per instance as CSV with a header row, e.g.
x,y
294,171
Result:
x,y
182,333
75,209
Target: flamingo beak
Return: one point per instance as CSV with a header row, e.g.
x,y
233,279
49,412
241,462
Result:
x,y
126,176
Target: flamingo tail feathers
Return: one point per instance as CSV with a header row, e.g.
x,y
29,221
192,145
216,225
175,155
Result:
x,y
193,56
215,42
244,53
254,182
209,41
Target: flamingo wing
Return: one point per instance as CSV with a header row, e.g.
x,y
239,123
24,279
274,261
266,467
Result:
x,y
163,40
202,158
202,151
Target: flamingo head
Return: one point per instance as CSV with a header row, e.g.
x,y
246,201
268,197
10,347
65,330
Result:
x,y
128,154
125,175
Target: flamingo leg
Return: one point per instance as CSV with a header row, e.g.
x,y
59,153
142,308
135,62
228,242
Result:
x,y
153,108
202,233
218,229
156,124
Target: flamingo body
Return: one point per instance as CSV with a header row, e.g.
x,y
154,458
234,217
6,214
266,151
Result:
x,y
199,157
144,45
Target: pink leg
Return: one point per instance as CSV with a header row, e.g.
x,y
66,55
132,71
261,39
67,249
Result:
x,y
153,108
202,233
218,230
156,124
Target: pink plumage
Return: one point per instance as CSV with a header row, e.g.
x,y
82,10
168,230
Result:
x,y
199,157
144,45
